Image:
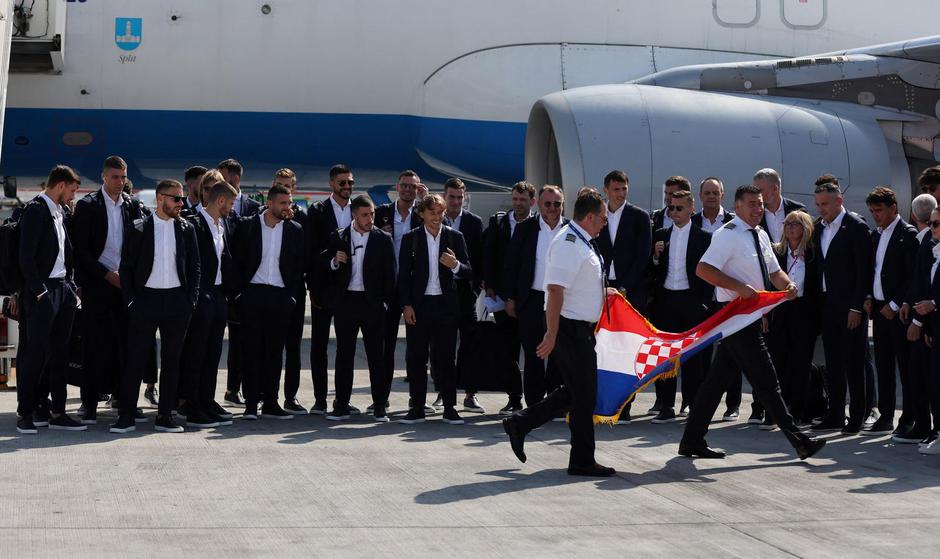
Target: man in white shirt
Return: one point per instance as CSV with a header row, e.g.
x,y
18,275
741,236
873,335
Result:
x,y
776,207
711,192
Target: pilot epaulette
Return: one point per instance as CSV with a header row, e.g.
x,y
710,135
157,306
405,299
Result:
x,y
730,225
570,237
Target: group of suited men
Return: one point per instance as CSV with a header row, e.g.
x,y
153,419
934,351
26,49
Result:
x,y
211,257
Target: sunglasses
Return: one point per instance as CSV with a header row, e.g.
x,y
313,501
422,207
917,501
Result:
x,y
793,224
551,204
677,208
349,182
935,223
175,198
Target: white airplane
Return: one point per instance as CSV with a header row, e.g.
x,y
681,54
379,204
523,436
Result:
x,y
446,88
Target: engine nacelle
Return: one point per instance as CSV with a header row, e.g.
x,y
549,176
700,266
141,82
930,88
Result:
x,y
575,137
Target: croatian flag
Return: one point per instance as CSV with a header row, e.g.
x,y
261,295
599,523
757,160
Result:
x,y
631,353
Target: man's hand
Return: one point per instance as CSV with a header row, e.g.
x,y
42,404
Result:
x,y
113,278
925,307
905,313
289,214
511,307
913,332
888,312
449,259
409,313
422,191
867,306
747,292
792,291
658,249
341,258
612,291
855,319
545,348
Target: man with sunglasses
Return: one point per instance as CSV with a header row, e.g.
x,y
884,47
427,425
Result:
x,y
160,282
673,184
325,217
524,289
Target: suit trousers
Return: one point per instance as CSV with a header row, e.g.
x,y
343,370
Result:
x,y
168,310
576,360
354,313
320,320
678,311
203,349
295,333
845,362
892,353
538,377
45,326
104,341
794,326
434,333
743,351
264,334
509,333
390,327
235,357
466,327
925,385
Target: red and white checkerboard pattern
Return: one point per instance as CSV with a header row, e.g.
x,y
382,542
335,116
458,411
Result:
x,y
654,351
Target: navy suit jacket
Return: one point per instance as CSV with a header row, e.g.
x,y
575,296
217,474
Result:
x,y
699,241
697,218
629,252
208,261
378,267
847,265
496,240
898,264
89,228
471,227
137,258
39,247
520,262
413,270
248,247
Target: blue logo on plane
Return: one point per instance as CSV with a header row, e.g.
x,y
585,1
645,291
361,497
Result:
x,y
127,32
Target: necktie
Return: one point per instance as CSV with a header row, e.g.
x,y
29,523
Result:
x,y
760,258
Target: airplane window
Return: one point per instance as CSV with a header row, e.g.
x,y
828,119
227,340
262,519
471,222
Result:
x,y
736,13
804,14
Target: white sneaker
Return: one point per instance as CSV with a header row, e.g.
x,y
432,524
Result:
x,y
932,448
438,404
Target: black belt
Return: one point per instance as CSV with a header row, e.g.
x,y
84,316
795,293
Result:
x,y
579,323
160,290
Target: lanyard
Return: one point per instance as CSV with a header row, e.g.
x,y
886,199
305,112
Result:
x,y
796,258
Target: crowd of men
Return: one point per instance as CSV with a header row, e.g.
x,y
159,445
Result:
x,y
209,258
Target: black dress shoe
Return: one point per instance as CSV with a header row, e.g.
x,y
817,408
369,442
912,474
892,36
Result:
x,y
516,438
218,410
852,428
829,424
809,447
233,398
594,470
883,426
700,450
665,415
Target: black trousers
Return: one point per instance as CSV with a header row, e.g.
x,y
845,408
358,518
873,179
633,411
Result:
x,y
892,353
678,311
44,327
925,385
263,309
320,321
203,349
104,340
295,333
236,354
434,333
845,362
747,352
390,327
794,326
168,310
509,330
466,327
354,313
576,360
538,377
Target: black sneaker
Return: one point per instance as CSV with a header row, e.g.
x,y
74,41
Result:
x,y
757,417
912,436
293,407
218,418
166,424
371,407
66,423
199,419
124,424
274,411
415,415
339,413
931,437
665,415
353,410
251,412
512,407
731,414
233,398
657,407
452,417
185,410
472,404
89,417
883,426
319,408
26,426
41,417
139,416
218,410
152,396
378,413
624,418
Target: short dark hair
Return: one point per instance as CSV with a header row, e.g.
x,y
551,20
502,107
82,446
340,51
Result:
x,y
744,190
552,188
589,202
524,187
231,166
221,190
701,185
407,173
62,173
277,189
194,172
615,176
881,195
168,184
115,162
432,199
929,179
683,194
829,188
828,177
454,182
680,181
361,201
339,169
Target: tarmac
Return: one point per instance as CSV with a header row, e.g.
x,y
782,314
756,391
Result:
x,y
309,487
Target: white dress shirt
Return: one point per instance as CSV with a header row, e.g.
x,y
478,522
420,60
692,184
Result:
x,y
400,226
877,289
111,254
513,223
546,235
733,252
218,239
574,265
613,224
775,222
796,269
825,239
163,273
712,226
237,206
676,277
434,252
58,269
269,271
359,241
455,221
343,214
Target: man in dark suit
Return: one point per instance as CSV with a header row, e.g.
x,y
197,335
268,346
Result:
x,y
524,289
361,260
681,299
397,218
471,227
660,217
325,217
99,225
711,193
625,242
191,179
845,276
203,346
496,240
160,284
269,263
245,206
894,249
776,207
47,303
432,259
